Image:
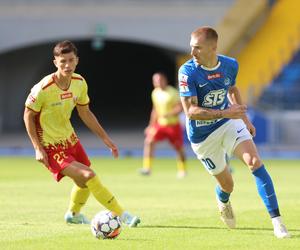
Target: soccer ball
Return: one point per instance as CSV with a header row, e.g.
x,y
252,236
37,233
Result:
x,y
105,226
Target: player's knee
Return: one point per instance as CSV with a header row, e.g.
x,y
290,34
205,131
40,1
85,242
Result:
x,y
253,162
88,174
84,177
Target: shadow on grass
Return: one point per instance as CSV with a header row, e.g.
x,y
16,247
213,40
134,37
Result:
x,y
179,227
215,228
136,239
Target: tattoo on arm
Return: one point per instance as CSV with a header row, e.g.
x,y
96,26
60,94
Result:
x,y
194,112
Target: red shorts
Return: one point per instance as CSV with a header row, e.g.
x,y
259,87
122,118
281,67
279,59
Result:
x,y
173,133
60,157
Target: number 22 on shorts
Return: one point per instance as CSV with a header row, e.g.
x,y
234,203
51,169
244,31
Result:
x,y
59,157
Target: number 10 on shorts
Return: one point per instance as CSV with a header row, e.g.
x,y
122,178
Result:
x,y
208,163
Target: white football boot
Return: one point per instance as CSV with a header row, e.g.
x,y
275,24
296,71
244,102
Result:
x,y
76,218
280,230
130,220
145,171
227,215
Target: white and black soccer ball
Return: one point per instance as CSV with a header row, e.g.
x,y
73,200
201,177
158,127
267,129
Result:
x,y
106,226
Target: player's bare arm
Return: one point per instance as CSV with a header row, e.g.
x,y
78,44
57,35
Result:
x,y
153,117
194,112
235,98
90,120
29,120
152,121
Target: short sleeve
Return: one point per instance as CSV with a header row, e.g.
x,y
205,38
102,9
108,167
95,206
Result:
x,y
235,70
83,99
34,100
153,96
185,81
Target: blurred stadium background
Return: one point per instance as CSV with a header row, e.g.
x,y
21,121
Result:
x,y
122,43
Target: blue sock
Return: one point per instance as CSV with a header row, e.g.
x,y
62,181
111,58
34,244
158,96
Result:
x,y
223,196
266,190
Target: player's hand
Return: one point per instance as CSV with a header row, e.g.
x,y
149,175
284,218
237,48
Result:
x,y
236,111
41,156
113,148
114,151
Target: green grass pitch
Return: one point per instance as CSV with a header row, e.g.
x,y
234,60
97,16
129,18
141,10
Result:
x,y
176,214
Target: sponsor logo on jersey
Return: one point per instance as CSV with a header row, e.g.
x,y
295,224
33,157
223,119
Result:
x,y
201,123
203,84
31,99
56,104
214,98
66,95
214,76
183,86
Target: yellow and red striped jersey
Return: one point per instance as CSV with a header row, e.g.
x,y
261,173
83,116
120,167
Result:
x,y
164,101
55,107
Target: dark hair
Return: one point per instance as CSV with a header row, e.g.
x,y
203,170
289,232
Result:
x,y
64,47
164,74
210,33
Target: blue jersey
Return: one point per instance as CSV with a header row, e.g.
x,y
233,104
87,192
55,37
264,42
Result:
x,y
210,85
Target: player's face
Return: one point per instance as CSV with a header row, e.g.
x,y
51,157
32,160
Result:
x,y
66,63
202,49
159,81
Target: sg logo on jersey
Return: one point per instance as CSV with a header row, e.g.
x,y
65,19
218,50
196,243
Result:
x,y
214,98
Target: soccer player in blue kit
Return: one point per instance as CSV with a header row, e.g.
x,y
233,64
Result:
x,y
217,124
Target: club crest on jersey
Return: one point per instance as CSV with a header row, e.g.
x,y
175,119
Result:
x,y
75,98
214,76
227,81
66,95
183,86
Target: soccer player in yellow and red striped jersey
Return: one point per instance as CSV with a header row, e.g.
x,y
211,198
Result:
x,y
164,124
47,114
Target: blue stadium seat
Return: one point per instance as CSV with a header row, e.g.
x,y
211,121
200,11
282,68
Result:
x,y
284,91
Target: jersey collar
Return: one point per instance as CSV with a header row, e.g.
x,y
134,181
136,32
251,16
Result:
x,y
209,69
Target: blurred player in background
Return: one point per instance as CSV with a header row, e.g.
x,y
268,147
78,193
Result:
x,y
217,124
48,110
164,124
